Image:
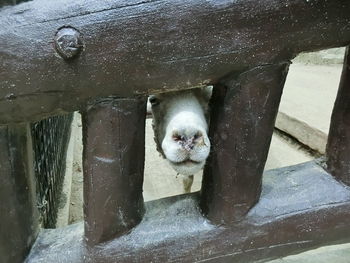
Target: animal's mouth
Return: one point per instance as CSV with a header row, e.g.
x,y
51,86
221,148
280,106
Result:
x,y
187,167
186,162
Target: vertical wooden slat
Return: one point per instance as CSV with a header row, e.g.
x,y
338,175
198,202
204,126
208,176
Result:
x,y
338,146
242,121
113,160
18,211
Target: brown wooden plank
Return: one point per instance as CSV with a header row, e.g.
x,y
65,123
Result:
x,y
148,46
113,160
301,207
18,211
243,115
338,146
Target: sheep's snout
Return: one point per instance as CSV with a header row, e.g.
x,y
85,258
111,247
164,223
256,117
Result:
x,y
186,149
180,123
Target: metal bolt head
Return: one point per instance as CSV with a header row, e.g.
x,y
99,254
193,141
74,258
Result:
x,y
68,42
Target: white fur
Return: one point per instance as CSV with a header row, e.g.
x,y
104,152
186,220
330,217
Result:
x,y
184,115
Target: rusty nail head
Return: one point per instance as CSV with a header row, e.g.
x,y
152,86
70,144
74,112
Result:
x,y
68,42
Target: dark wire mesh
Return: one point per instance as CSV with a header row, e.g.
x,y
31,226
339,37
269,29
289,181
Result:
x,y
50,141
11,2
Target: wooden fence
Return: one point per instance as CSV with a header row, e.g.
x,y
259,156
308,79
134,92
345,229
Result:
x,y
103,58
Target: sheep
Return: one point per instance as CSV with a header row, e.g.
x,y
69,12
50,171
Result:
x,y
180,125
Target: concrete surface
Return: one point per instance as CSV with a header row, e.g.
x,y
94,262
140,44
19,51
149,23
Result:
x,y
324,57
307,103
328,254
64,205
76,199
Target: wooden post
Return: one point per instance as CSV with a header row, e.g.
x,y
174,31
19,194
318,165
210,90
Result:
x,y
113,160
18,211
242,121
338,146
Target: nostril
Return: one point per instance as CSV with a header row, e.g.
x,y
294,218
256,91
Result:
x,y
178,138
197,135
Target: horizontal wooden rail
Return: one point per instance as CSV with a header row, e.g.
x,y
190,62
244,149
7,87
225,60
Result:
x,y
301,207
146,46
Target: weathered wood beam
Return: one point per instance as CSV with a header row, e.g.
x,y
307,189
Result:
x,y
147,46
338,146
19,224
113,160
301,207
243,114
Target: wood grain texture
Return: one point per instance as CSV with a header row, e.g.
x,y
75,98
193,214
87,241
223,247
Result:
x,y
19,222
113,160
149,46
243,113
301,207
338,145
